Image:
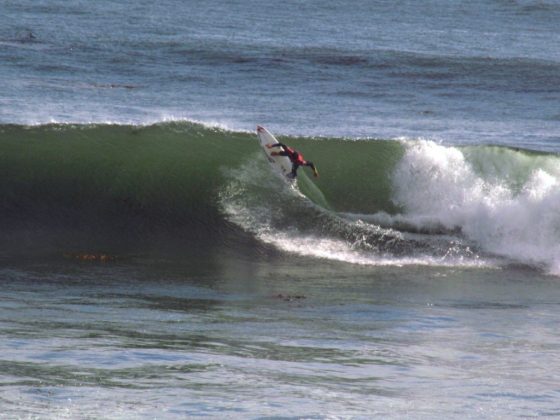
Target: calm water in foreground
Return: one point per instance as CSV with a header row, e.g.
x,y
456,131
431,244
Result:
x,y
276,337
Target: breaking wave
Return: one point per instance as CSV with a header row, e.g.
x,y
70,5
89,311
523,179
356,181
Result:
x,y
186,187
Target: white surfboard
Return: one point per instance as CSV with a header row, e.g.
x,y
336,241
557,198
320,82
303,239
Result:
x,y
280,164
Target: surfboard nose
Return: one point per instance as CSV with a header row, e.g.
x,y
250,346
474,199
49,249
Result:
x,y
259,128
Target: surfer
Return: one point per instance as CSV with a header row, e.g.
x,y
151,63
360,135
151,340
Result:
x,y
295,157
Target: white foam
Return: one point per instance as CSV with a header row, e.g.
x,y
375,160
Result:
x,y
257,216
438,184
338,250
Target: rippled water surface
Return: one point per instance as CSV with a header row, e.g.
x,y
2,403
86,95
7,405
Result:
x,y
168,339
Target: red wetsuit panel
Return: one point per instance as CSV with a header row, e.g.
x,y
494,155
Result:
x,y
295,156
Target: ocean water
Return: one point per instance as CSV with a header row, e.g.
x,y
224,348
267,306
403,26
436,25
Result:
x,y
153,266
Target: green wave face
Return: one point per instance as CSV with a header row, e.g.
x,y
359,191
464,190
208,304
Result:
x,y
164,171
177,185
114,181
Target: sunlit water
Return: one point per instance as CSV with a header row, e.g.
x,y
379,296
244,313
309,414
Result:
x,y
276,338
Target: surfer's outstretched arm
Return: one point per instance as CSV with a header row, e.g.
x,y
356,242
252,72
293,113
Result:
x,y
313,168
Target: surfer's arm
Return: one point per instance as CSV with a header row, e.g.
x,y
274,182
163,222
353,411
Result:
x,y
313,168
282,153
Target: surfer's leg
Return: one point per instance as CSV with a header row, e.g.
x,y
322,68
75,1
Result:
x,y
295,167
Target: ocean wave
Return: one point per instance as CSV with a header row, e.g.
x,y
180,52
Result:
x,y
183,185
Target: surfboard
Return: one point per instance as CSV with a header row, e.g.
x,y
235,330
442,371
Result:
x,y
280,164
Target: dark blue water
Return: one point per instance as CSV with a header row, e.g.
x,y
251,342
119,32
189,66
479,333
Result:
x,y
440,301
486,72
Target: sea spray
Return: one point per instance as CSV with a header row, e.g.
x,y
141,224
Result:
x,y
511,211
278,214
